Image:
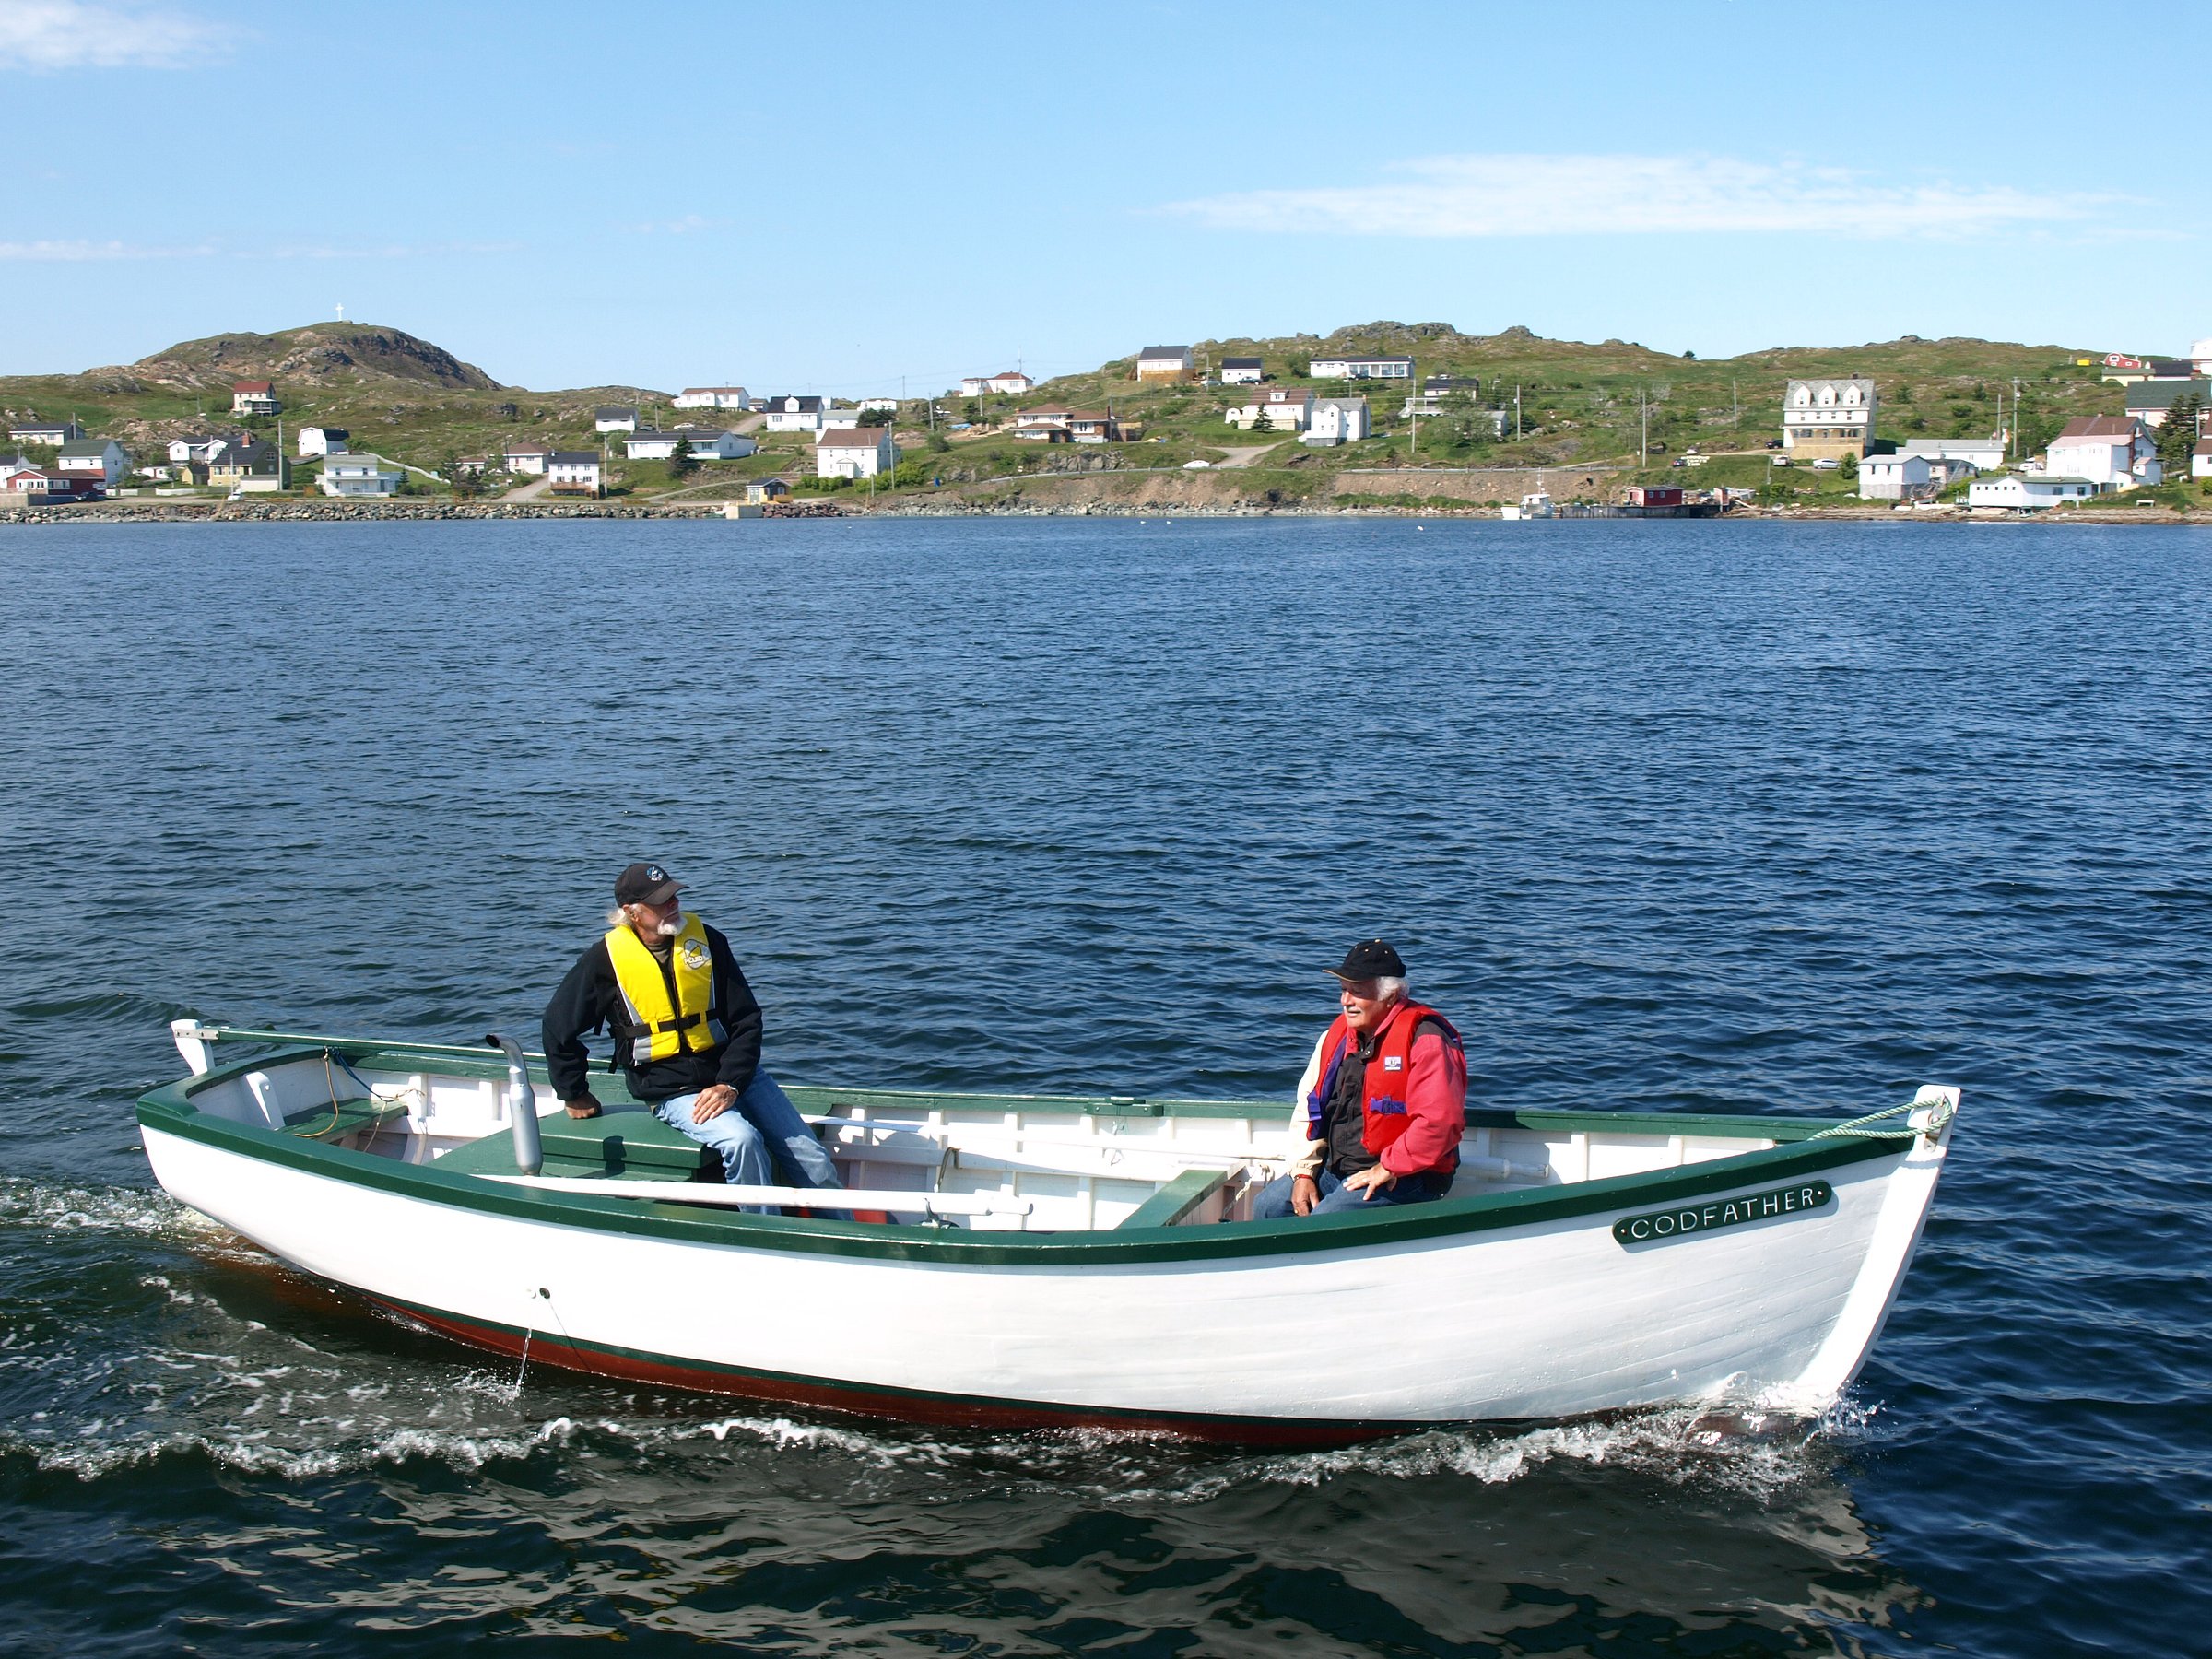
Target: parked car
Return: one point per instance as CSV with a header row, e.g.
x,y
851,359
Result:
x,y
1825,465
1773,443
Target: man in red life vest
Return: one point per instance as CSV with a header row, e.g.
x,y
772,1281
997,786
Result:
x,y
1383,1103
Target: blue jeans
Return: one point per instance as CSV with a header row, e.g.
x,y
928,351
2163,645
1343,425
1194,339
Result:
x,y
1274,1201
762,1131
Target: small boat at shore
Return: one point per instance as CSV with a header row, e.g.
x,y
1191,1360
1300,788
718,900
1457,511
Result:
x,y
1040,1261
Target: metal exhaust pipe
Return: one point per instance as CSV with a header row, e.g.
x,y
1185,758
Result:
x,y
529,1154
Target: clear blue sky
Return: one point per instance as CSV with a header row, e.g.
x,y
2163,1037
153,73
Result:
x,y
831,197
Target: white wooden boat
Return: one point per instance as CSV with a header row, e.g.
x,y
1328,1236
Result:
x,y
1062,1261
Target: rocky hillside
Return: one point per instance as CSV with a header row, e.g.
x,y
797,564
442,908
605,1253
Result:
x,y
328,355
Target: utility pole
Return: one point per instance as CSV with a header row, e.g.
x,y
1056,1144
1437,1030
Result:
x,y
1516,413
2012,433
1643,410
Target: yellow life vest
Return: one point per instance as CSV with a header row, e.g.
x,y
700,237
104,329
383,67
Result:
x,y
656,1029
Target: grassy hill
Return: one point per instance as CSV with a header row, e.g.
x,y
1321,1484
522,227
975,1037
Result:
x,y
1578,406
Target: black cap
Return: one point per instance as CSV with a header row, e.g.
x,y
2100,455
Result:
x,y
1369,960
642,883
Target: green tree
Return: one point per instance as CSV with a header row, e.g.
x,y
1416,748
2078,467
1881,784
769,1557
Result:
x,y
682,463
2177,437
1849,471
465,485
1265,423
1903,393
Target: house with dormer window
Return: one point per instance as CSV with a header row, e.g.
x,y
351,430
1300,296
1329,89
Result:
x,y
1827,419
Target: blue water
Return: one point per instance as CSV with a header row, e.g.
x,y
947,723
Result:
x,y
1684,816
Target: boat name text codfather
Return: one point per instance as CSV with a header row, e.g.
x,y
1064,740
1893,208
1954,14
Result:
x,y
1723,1211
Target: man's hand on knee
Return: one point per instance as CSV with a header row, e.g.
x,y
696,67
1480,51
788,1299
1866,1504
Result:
x,y
1305,1192
713,1102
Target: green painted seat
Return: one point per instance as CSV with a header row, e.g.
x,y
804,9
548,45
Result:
x,y
636,1145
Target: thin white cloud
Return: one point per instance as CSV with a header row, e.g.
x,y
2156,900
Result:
x,y
1488,195
48,35
79,253
678,226
64,251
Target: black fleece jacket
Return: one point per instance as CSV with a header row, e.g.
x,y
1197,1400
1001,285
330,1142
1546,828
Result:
x,y
590,998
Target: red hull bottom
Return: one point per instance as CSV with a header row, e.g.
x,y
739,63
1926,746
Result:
x,y
856,1400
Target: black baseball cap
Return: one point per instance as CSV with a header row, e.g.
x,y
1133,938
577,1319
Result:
x,y
645,884
1369,960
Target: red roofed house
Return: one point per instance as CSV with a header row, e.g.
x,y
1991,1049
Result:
x,y
253,397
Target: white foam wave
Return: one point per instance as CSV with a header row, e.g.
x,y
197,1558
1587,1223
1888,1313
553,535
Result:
x,y
27,1201
93,1456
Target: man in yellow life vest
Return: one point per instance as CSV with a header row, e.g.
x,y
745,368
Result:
x,y
687,1033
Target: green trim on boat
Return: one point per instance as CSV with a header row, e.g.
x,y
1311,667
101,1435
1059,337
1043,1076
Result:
x,y
169,1110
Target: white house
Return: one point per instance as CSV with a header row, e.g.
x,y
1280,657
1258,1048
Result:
x,y
708,444
98,458
614,417
1006,382
1164,364
575,472
714,398
1286,408
854,452
203,447
1898,478
835,420
1984,454
1243,372
322,440
2027,490
1828,418
1361,368
793,414
253,397
46,434
878,406
1336,420
354,477
2111,451
526,458
1045,423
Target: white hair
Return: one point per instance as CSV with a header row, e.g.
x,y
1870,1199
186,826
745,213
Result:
x,y
619,917
1390,986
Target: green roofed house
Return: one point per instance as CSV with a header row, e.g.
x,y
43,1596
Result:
x,y
2151,401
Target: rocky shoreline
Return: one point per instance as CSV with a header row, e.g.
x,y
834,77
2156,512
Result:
x,y
336,511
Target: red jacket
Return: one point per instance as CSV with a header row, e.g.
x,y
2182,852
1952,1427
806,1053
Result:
x,y
1416,1116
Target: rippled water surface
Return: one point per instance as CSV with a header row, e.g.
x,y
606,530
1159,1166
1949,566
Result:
x,y
1678,816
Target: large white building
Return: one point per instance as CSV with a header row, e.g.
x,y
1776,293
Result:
x,y
1334,420
2113,451
323,440
346,474
708,444
793,414
1009,382
575,472
1361,368
1828,420
100,458
854,452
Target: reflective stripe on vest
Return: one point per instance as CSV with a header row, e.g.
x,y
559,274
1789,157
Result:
x,y
657,1028
1383,1093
